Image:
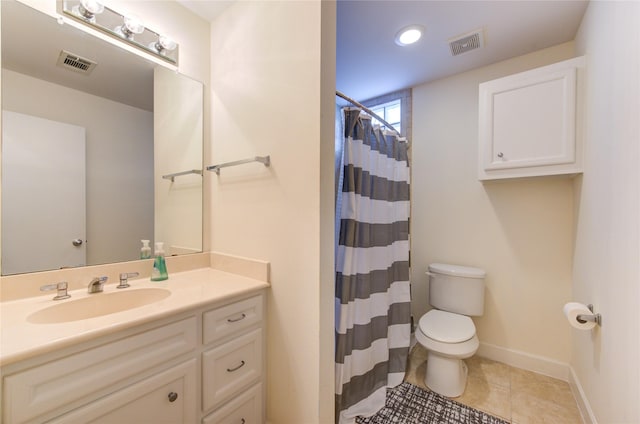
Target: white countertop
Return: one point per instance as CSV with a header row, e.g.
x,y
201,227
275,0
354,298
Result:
x,y
21,339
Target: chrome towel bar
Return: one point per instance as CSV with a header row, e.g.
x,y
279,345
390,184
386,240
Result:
x,y
266,160
177,174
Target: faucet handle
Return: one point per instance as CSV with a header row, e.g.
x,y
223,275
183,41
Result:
x,y
61,287
124,276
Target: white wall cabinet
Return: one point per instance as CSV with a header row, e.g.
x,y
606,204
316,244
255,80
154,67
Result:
x,y
208,361
528,123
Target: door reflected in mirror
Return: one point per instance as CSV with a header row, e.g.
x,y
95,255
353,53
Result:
x,y
137,128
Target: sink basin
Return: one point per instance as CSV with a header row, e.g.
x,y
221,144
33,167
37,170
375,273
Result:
x,y
98,304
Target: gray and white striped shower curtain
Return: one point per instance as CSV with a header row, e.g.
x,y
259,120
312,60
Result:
x,y
373,293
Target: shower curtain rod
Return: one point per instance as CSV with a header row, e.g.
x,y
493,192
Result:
x,y
369,111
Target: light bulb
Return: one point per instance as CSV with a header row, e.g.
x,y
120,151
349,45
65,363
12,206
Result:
x,y
167,43
92,6
87,9
132,26
163,44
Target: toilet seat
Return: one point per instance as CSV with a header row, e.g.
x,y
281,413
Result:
x,y
436,330
447,327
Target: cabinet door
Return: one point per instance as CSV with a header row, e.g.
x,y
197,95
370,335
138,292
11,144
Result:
x,y
167,397
527,123
77,379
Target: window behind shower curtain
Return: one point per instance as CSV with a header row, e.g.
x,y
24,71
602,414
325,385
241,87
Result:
x,y
404,96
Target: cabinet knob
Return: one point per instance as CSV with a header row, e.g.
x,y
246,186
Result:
x,y
173,396
500,155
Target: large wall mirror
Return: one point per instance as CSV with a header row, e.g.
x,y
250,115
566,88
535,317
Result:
x,y
93,162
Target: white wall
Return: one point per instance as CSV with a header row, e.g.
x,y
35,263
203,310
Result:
x,y
119,160
267,92
519,231
607,248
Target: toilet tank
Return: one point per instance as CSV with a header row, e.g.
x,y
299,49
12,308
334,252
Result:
x,y
457,289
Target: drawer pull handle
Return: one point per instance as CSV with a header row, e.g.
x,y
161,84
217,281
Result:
x,y
242,421
237,319
173,396
236,368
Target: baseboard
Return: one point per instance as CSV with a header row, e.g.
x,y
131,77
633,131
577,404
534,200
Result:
x,y
526,361
581,399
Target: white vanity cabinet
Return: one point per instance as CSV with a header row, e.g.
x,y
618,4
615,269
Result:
x,y
528,123
208,361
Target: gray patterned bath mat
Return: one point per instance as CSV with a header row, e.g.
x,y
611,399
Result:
x,y
409,404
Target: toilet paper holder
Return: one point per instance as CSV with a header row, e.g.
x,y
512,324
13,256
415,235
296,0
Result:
x,y
582,318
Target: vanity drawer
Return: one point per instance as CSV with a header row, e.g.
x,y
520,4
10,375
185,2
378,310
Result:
x,y
246,408
84,375
230,319
230,367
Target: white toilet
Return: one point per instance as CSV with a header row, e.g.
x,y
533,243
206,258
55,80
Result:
x,y
447,332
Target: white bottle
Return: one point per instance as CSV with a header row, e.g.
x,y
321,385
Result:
x,y
145,251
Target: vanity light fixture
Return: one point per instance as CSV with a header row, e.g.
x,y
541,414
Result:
x,y
409,35
123,27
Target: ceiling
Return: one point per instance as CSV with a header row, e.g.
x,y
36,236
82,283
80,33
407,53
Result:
x,y
369,63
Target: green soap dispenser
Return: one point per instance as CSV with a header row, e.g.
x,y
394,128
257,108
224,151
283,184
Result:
x,y
159,271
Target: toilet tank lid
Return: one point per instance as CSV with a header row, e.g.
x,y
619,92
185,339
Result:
x,y
457,270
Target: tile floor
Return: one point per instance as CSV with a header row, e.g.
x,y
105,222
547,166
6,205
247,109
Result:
x,y
513,394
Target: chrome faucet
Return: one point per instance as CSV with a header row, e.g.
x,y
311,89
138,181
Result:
x,y
124,277
61,287
97,285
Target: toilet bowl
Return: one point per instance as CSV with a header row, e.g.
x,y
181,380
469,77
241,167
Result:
x,y
448,338
447,332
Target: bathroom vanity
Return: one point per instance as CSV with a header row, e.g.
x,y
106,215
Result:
x,y
196,355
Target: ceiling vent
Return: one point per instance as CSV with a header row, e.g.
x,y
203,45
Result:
x,y
466,42
75,63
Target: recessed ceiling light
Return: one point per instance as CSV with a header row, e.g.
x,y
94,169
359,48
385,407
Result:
x,y
409,35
